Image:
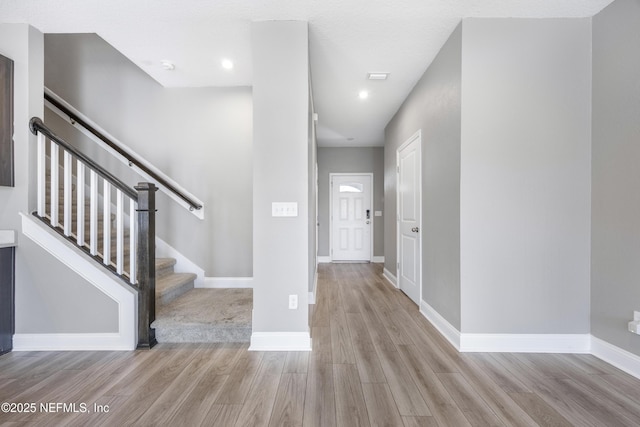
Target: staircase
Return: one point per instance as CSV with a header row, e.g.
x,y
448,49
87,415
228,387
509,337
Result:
x,y
183,313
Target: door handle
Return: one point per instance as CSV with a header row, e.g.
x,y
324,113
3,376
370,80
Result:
x,y
368,221
415,229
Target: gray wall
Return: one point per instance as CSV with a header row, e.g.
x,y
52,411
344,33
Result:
x,y
312,168
434,108
280,174
615,289
525,176
350,160
50,298
200,137
504,111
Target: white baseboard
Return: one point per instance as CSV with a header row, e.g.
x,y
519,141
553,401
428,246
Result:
x,y
226,282
620,358
390,277
97,276
280,341
183,264
506,343
327,259
441,324
525,343
69,342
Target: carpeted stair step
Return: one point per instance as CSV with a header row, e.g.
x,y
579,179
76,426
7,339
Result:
x,y
172,286
206,315
164,267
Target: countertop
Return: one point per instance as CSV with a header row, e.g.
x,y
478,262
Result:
x,y
7,238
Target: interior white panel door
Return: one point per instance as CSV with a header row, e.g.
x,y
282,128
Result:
x,y
352,217
409,211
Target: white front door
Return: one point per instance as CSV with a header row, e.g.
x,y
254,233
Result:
x,y
409,212
351,217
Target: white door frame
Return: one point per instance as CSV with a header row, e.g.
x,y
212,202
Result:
x,y
415,136
331,175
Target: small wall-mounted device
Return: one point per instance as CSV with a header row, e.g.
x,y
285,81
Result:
x,y
284,209
293,302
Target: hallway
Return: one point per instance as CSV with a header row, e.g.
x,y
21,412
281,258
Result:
x,y
375,361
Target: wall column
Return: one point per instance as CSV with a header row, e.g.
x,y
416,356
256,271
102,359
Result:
x,y
280,175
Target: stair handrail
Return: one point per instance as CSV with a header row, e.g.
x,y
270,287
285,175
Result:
x,y
130,158
142,208
36,125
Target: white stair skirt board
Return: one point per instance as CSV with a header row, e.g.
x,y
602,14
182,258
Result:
x,y
280,341
226,282
69,342
621,359
82,264
183,264
390,277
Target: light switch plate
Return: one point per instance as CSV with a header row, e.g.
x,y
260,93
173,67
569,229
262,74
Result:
x,y
284,209
377,213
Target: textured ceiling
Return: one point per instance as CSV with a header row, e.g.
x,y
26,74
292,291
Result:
x,y
348,38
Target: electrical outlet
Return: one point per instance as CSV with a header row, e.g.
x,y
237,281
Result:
x,y
293,302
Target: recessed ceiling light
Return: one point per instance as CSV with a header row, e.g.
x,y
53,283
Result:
x,y
227,64
378,76
167,65
363,94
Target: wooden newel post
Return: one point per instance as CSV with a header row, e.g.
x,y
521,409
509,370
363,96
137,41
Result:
x,y
146,260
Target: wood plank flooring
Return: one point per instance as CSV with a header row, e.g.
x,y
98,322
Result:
x,y
375,362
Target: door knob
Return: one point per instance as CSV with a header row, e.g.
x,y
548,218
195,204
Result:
x,y
415,229
368,221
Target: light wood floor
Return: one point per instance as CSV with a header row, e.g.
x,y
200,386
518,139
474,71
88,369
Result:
x,y
376,361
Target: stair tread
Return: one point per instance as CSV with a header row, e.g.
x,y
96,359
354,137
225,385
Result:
x,y
172,286
173,280
206,315
164,263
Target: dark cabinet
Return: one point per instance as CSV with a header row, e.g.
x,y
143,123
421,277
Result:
x,y
7,290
